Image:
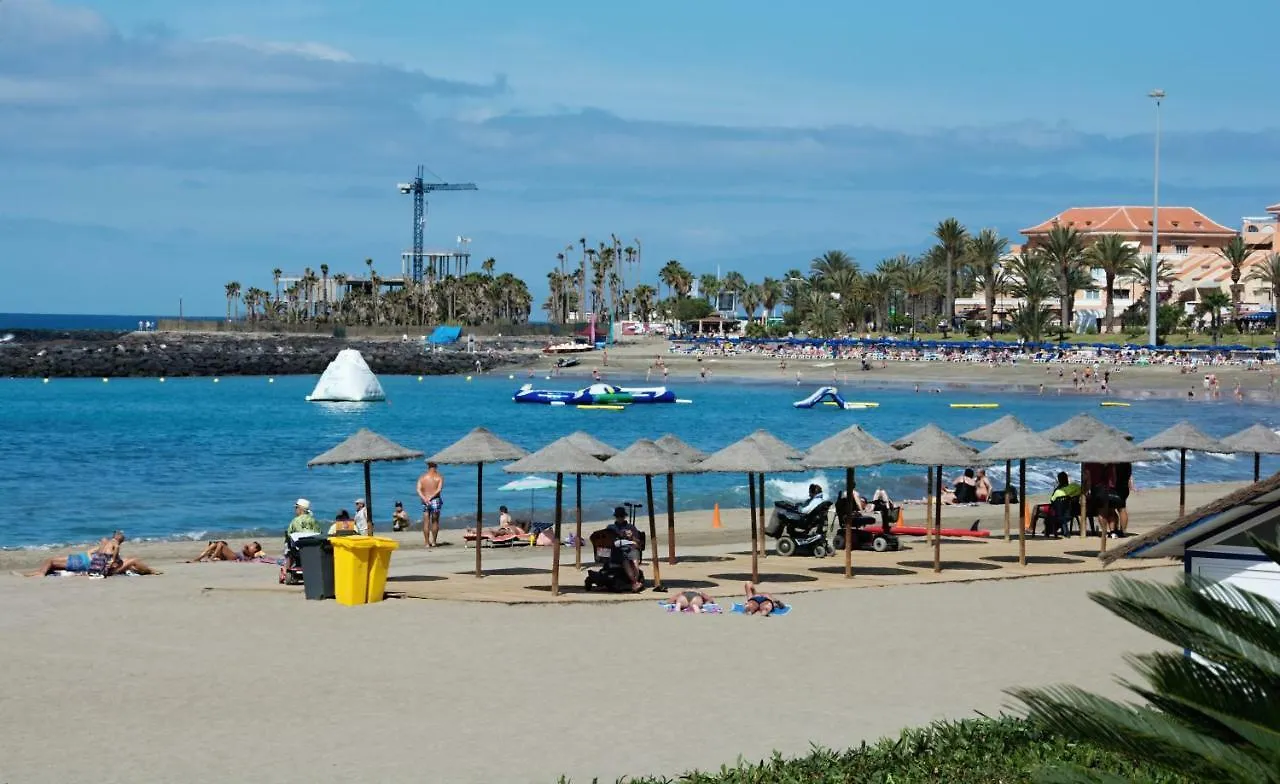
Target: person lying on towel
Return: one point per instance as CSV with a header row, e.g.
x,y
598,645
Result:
x,y
759,603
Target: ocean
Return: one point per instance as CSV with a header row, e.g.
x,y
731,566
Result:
x,y
188,458
76,321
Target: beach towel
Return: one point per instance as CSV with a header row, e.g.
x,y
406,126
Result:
x,y
670,607
741,609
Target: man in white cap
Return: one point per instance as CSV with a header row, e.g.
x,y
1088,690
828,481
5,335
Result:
x,y
362,518
302,518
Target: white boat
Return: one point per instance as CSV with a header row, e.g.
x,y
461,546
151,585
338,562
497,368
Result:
x,y
568,348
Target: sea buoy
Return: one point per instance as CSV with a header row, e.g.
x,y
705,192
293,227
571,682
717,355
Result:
x,y
215,381
162,379
104,379
271,381
419,378
468,378
511,376
547,377
46,381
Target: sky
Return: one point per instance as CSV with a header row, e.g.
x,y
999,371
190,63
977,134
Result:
x,y
152,150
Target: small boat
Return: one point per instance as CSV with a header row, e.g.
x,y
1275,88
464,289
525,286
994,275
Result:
x,y
596,394
568,348
567,362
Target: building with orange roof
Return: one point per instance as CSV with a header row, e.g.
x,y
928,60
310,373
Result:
x,y
1190,242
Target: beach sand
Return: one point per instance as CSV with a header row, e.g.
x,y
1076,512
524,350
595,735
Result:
x,y
212,672
632,358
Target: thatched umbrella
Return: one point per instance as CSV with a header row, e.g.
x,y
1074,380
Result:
x,y
1106,449
1081,427
933,446
751,457
929,500
645,458
779,448
560,457
1183,436
365,447
478,447
596,448
1258,439
689,454
995,432
1020,446
848,449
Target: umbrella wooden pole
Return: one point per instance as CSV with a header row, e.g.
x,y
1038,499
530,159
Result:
x,y
479,514
671,519
848,523
755,552
653,531
764,540
1084,502
1257,460
1022,512
937,525
1182,483
928,505
1008,471
577,525
555,545
368,497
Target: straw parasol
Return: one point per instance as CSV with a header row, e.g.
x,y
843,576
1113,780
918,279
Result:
x,y
365,447
596,448
1105,449
478,447
906,441
1182,437
1020,446
1258,439
560,457
933,446
689,454
645,458
995,432
1081,427
778,447
848,449
750,456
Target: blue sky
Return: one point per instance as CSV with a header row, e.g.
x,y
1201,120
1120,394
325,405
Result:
x,y
154,150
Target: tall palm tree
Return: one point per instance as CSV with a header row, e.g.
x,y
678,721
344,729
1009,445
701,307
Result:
x,y
671,275
1237,255
770,297
324,289
1116,258
1141,275
951,236
709,286
750,298
340,280
822,317
831,262
643,297
276,274
795,292
582,278
373,288
1268,271
1064,248
1210,716
877,289
233,291
918,280
734,283
1031,277
487,266
982,254
1212,303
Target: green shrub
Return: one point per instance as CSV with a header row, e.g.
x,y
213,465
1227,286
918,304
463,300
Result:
x,y
975,751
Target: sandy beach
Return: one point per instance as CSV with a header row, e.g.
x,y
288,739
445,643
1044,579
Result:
x,y
631,359
212,672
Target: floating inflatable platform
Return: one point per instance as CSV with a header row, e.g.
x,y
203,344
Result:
x,y
975,405
1113,404
830,396
596,394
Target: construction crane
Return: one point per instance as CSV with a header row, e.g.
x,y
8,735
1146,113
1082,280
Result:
x,y
420,189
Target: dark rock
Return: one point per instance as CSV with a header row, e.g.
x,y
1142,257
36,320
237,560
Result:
x,y
112,354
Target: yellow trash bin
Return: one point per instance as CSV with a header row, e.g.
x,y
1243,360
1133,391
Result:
x,y
379,563
352,560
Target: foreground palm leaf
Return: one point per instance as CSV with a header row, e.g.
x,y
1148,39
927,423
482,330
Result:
x,y
1213,716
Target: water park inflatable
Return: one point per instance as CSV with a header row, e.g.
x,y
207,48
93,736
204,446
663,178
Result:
x,y
594,395
830,396
348,379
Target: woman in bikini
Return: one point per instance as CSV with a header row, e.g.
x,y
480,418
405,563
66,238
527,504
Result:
x,y
221,551
759,603
692,601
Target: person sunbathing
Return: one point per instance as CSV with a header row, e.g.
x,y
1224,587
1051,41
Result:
x,y
129,566
95,561
506,527
692,601
759,603
221,551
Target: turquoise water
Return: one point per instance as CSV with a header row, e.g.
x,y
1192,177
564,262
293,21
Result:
x,y
188,457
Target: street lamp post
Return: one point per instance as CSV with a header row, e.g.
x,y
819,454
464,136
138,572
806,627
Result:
x,y
1153,294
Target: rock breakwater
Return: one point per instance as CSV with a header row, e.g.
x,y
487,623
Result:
x,y
34,354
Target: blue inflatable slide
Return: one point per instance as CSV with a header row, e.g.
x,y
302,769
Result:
x,y
823,395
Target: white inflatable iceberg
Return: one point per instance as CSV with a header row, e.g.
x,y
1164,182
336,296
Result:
x,y
347,379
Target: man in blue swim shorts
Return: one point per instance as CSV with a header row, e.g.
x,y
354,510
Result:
x,y
95,561
430,486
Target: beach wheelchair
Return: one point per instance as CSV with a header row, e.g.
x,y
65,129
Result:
x,y
291,569
797,532
864,536
611,553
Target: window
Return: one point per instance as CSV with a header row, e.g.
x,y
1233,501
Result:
x,y
1181,250
1094,294
1122,294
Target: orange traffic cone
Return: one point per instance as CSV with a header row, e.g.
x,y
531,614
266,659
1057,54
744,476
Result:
x,y
715,517
1026,519
902,517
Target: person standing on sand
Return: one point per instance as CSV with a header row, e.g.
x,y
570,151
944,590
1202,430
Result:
x,y
430,486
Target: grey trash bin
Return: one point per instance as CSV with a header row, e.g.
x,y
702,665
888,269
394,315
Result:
x,y
317,566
